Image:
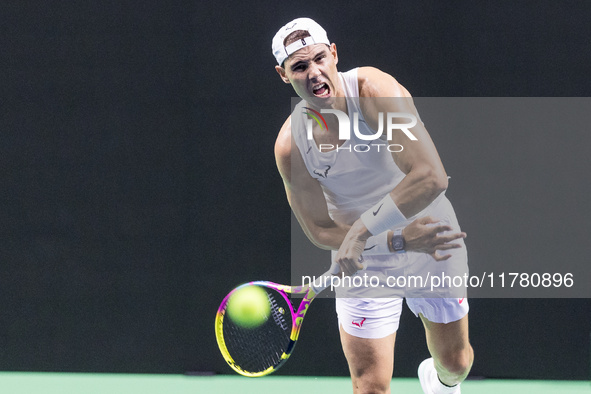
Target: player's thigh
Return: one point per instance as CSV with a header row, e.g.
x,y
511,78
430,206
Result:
x,y
371,359
368,333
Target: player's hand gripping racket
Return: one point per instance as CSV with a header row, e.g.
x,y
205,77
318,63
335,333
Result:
x,y
262,350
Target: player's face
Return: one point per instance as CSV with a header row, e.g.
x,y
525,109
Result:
x,y
312,71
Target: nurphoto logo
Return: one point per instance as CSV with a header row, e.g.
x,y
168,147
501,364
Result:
x,y
345,129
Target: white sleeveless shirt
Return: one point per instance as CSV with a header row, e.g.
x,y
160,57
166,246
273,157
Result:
x,y
352,181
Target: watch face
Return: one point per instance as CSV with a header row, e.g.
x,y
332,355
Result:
x,y
398,243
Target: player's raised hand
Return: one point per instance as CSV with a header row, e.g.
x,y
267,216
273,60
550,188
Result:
x,y
426,235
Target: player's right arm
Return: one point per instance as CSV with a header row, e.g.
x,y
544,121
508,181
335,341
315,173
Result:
x,y
305,195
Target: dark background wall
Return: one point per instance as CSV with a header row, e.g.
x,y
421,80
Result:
x,y
138,183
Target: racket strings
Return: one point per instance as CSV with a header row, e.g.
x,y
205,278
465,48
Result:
x,y
256,349
278,313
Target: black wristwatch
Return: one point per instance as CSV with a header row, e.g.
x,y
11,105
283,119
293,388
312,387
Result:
x,y
398,241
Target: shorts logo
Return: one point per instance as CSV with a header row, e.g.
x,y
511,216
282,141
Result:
x,y
460,300
360,324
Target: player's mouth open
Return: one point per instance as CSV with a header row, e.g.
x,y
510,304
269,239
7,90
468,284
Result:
x,y
321,90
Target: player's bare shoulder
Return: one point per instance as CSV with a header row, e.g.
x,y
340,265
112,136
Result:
x,y
283,142
375,83
283,149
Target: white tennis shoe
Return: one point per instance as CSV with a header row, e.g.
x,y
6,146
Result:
x,y
430,382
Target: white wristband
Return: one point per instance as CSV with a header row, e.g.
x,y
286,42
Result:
x,y
383,216
377,244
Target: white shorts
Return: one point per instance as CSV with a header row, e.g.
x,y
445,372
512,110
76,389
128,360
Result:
x,y
379,317
369,317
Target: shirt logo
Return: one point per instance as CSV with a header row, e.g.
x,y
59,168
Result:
x,y
323,174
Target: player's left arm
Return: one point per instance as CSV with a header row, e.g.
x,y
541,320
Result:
x,y
425,175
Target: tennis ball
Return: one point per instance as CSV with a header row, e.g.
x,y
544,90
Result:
x,y
249,306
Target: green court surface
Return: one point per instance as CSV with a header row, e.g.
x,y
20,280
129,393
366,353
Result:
x,y
82,383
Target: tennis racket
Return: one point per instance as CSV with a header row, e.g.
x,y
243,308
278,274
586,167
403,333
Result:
x,y
262,350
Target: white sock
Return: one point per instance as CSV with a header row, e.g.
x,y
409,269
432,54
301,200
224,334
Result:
x,y
441,388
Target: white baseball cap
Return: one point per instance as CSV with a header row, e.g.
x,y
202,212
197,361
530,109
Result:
x,y
317,36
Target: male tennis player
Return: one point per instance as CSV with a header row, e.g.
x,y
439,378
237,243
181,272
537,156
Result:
x,y
370,207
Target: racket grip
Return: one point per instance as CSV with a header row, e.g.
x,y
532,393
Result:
x,y
325,279
321,283
334,269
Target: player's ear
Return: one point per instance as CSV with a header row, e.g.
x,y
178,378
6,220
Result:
x,y
281,71
333,51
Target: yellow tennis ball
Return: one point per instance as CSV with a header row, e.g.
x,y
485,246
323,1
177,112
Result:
x,y
249,306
